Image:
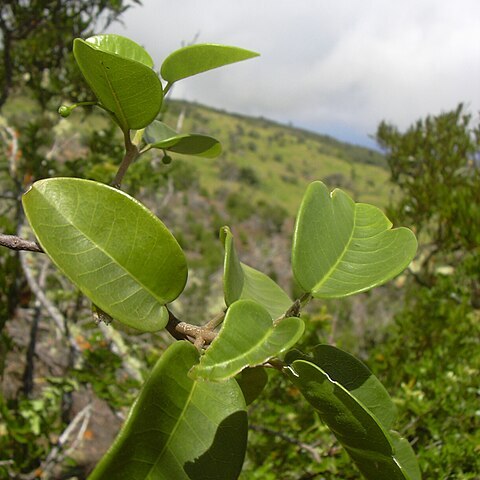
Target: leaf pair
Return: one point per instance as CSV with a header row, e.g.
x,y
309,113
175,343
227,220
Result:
x,y
341,247
249,336
120,73
358,410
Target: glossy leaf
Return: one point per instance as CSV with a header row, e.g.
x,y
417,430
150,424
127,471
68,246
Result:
x,y
121,46
248,338
341,248
112,247
128,88
199,58
159,135
243,282
179,428
363,436
252,381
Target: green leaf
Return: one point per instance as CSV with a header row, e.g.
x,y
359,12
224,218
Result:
x,y
355,377
341,248
248,338
122,46
113,248
199,58
128,88
367,442
159,135
406,457
252,381
243,282
179,428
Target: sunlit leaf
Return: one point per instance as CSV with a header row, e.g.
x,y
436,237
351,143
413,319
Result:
x,y
122,46
179,428
112,247
341,248
243,282
363,436
199,58
128,88
159,135
248,338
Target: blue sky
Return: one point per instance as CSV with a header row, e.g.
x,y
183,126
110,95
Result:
x,y
335,67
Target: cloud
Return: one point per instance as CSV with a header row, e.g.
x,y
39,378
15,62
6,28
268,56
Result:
x,y
333,67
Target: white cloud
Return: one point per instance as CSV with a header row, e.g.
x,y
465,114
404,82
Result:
x,y
337,67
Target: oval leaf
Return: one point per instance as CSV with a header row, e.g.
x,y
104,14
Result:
x,y
127,88
341,248
370,446
248,338
159,135
199,58
178,428
354,376
122,46
112,248
243,282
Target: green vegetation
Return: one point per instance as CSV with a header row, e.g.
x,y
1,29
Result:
x,y
63,376
123,258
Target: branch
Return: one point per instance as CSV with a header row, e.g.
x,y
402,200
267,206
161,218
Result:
x,y
16,243
199,336
57,454
52,310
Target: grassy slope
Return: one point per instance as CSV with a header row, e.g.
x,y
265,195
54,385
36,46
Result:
x,y
281,160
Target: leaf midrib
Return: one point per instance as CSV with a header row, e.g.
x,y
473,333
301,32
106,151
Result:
x,y
103,250
325,278
174,429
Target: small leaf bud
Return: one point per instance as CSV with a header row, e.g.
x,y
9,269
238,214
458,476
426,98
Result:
x,y
64,111
166,159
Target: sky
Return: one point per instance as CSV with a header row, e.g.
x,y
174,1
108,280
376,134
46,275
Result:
x,y
332,67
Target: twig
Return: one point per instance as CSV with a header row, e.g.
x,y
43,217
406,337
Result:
x,y
16,243
131,153
185,331
52,310
215,321
57,454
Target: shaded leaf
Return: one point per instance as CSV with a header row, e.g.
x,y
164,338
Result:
x,y
199,58
364,438
129,89
159,135
248,338
121,46
178,428
243,282
252,381
355,377
341,248
112,248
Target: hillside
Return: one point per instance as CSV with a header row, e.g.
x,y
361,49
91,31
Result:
x,y
262,159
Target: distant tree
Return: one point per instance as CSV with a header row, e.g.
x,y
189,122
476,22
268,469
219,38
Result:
x,y
431,356
36,42
435,164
